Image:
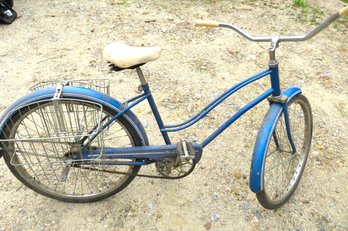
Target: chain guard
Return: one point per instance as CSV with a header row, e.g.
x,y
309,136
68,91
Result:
x,y
164,174
168,168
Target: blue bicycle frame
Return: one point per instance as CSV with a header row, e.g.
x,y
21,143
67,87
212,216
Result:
x,y
150,154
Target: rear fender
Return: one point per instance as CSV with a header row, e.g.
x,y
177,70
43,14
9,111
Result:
x,y
263,138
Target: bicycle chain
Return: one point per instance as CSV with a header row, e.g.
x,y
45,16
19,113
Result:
x,y
142,175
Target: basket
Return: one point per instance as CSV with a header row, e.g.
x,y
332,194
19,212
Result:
x,y
101,85
51,132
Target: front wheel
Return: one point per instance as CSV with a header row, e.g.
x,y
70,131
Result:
x,y
283,167
39,151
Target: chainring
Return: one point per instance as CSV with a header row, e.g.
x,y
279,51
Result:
x,y
175,167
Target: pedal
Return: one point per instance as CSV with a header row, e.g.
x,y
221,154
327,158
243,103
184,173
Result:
x,y
185,150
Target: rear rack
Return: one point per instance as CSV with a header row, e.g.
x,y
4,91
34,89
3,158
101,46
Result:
x,y
101,85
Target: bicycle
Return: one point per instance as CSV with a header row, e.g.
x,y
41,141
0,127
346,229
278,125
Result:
x,y
73,142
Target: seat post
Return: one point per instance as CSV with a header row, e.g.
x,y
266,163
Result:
x,y
145,87
141,76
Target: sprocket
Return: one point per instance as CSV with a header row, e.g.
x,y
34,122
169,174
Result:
x,y
175,167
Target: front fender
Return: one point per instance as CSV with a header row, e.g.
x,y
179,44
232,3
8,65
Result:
x,y
73,92
263,138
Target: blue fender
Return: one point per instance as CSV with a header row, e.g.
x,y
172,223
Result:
x,y
74,92
263,138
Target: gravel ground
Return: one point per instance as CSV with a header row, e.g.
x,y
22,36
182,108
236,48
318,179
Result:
x,y
63,40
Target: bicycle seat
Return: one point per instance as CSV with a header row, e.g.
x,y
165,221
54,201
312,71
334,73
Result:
x,y
125,56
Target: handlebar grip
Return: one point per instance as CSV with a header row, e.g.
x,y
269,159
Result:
x,y
344,12
208,23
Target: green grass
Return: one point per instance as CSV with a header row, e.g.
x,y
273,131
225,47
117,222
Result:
x,y
309,14
301,3
118,2
346,1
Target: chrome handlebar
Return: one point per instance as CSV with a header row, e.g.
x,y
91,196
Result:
x,y
342,13
245,34
294,38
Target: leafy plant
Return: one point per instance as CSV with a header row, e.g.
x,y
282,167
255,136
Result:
x,y
346,1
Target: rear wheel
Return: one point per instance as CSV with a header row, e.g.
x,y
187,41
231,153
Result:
x,y
46,135
282,167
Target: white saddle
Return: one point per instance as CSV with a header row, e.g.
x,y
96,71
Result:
x,y
124,56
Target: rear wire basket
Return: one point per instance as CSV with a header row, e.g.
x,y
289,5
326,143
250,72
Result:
x,y
50,133
101,85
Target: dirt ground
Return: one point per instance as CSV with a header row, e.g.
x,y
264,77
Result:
x,y
63,40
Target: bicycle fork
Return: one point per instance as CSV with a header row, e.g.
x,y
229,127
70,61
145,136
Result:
x,y
277,96
288,128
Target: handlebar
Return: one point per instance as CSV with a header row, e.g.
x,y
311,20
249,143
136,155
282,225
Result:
x,y
344,12
210,23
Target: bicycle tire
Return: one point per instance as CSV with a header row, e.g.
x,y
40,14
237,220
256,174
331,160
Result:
x,y
283,169
82,184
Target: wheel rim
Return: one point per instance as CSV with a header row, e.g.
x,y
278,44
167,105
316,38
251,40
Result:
x,y
283,168
43,172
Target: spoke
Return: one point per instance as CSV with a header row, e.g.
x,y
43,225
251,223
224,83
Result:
x,y
282,168
41,143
